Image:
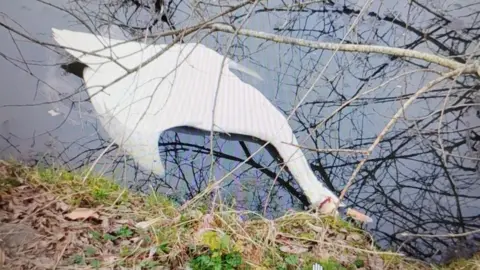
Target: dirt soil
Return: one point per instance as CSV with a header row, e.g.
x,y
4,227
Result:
x,y
40,231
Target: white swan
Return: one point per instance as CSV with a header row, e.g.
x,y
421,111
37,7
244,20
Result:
x,y
177,90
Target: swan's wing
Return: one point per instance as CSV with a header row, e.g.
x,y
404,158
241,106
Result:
x,y
96,50
137,141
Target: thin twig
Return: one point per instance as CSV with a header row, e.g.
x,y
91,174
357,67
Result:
x,y
399,113
353,151
441,235
69,239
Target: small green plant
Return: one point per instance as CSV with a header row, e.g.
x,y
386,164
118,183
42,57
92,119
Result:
x,y
77,259
95,263
124,251
48,175
359,263
217,261
164,247
148,264
96,235
147,239
124,232
90,251
291,260
331,264
220,255
109,237
100,194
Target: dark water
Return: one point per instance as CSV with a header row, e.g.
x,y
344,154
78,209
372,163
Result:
x,y
422,178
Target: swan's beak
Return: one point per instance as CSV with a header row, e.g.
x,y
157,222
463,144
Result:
x,y
358,216
328,206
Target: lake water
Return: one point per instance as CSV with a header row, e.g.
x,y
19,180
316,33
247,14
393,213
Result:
x,y
422,178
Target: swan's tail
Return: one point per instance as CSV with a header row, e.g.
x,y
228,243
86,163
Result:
x,y
85,47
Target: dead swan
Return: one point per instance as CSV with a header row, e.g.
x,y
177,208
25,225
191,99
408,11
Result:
x,y
137,101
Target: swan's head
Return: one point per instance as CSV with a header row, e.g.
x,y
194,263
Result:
x,y
76,68
329,206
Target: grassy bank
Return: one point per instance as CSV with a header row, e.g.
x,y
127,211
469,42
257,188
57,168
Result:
x,y
51,219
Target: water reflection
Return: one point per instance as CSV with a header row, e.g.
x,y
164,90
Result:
x,y
421,179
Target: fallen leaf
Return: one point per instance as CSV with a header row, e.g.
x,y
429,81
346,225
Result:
x,y
375,262
315,228
44,263
344,259
49,197
195,214
42,244
293,249
62,206
207,221
2,257
354,237
143,224
124,221
340,236
135,239
152,251
105,224
58,236
82,213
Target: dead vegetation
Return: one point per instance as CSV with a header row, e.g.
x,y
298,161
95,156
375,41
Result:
x,y
50,219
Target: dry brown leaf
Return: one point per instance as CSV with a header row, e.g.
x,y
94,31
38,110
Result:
x,y
2,257
315,228
42,244
354,237
105,224
207,221
135,239
125,243
49,197
375,262
293,249
110,259
16,235
340,236
44,263
344,258
124,221
152,251
58,236
61,206
32,208
82,213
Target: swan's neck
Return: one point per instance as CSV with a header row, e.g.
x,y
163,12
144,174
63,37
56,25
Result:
x,y
300,169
